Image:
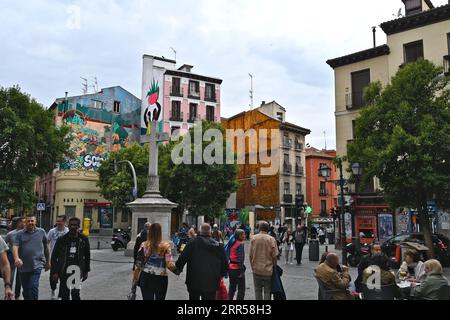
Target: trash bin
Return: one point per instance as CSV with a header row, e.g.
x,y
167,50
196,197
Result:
x,y
313,250
330,237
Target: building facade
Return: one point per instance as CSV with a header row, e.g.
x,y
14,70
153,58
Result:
x,y
99,123
178,97
273,198
321,192
423,33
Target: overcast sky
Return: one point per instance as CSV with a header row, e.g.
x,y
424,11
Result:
x,y
283,43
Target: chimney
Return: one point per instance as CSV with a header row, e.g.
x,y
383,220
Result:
x,y
374,31
263,102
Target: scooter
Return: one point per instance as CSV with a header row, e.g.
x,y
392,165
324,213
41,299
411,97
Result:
x,y
355,254
120,239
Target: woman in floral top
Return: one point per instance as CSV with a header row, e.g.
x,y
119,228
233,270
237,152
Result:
x,y
153,260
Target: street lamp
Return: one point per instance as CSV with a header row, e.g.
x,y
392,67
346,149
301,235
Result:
x,y
356,169
357,172
325,171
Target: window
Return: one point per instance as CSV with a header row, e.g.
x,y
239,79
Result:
x,y
360,80
280,116
413,6
286,141
210,113
96,104
176,111
286,158
298,144
173,129
194,89
192,112
413,51
323,208
287,188
117,106
354,129
210,92
176,87
323,190
298,189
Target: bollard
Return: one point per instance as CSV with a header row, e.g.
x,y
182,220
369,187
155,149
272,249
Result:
x,y
98,245
326,248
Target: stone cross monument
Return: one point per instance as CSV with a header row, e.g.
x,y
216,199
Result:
x,y
152,207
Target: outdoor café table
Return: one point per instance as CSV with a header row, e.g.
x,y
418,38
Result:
x,y
405,288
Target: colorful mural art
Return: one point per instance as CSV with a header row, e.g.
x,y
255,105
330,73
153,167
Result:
x,y
152,97
100,123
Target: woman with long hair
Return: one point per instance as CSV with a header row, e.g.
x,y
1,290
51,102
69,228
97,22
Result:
x,y
153,260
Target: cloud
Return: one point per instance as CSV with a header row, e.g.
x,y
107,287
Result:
x,y
284,44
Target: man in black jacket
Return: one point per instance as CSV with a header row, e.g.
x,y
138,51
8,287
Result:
x,y
71,256
375,249
206,265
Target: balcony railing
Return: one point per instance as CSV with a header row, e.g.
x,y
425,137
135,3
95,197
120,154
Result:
x,y
447,65
176,116
211,118
299,171
354,100
210,98
298,146
323,193
287,168
286,144
287,198
193,117
176,91
194,94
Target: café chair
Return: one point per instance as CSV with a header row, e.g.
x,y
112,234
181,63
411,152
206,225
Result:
x,y
444,293
324,292
386,292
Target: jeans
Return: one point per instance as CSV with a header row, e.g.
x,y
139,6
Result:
x,y
195,295
299,252
30,284
153,287
65,292
262,282
236,281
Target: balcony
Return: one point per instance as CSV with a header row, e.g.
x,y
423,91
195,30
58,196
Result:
x,y
211,118
323,193
286,144
354,100
176,116
298,146
194,94
193,117
299,171
287,168
447,65
210,98
287,198
176,91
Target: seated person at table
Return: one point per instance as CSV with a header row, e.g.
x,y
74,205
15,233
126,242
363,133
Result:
x,y
433,281
375,249
414,267
332,279
379,263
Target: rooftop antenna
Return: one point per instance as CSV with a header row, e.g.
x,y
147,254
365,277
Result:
x,y
399,14
85,85
95,86
251,90
325,137
175,52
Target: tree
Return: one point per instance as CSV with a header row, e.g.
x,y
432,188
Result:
x,y
402,137
30,146
204,188
117,186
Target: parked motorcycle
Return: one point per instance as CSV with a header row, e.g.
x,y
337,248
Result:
x,y
120,239
355,253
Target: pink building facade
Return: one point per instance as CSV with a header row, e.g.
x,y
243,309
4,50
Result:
x,y
184,97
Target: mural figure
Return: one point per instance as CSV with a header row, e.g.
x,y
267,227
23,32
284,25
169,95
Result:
x,y
152,97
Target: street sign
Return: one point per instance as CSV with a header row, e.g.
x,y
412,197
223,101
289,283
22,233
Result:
x,y
41,206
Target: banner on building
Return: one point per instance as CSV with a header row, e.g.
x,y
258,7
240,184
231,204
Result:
x,y
386,226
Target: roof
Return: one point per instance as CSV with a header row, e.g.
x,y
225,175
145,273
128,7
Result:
x,y
359,56
194,76
159,58
421,19
293,127
267,103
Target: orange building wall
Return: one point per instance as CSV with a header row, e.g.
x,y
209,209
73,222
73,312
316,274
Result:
x,y
313,161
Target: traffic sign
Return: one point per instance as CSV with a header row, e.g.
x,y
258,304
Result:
x,y
41,206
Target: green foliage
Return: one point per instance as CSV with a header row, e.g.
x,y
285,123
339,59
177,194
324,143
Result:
x,y
403,136
30,146
117,187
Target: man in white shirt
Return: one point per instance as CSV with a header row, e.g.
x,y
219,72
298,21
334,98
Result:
x,y
53,235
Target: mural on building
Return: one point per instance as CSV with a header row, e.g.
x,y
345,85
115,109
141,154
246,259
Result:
x,y
386,226
95,127
152,98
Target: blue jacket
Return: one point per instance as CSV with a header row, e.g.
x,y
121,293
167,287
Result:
x,y
277,285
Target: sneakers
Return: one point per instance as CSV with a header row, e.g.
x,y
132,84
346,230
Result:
x,y
54,297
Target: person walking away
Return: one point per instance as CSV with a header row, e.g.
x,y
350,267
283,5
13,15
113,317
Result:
x,y
153,260
236,267
321,234
31,255
206,265
217,234
17,224
71,250
5,270
299,241
53,235
263,258
289,246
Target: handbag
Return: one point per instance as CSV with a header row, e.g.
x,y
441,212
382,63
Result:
x,y
222,292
